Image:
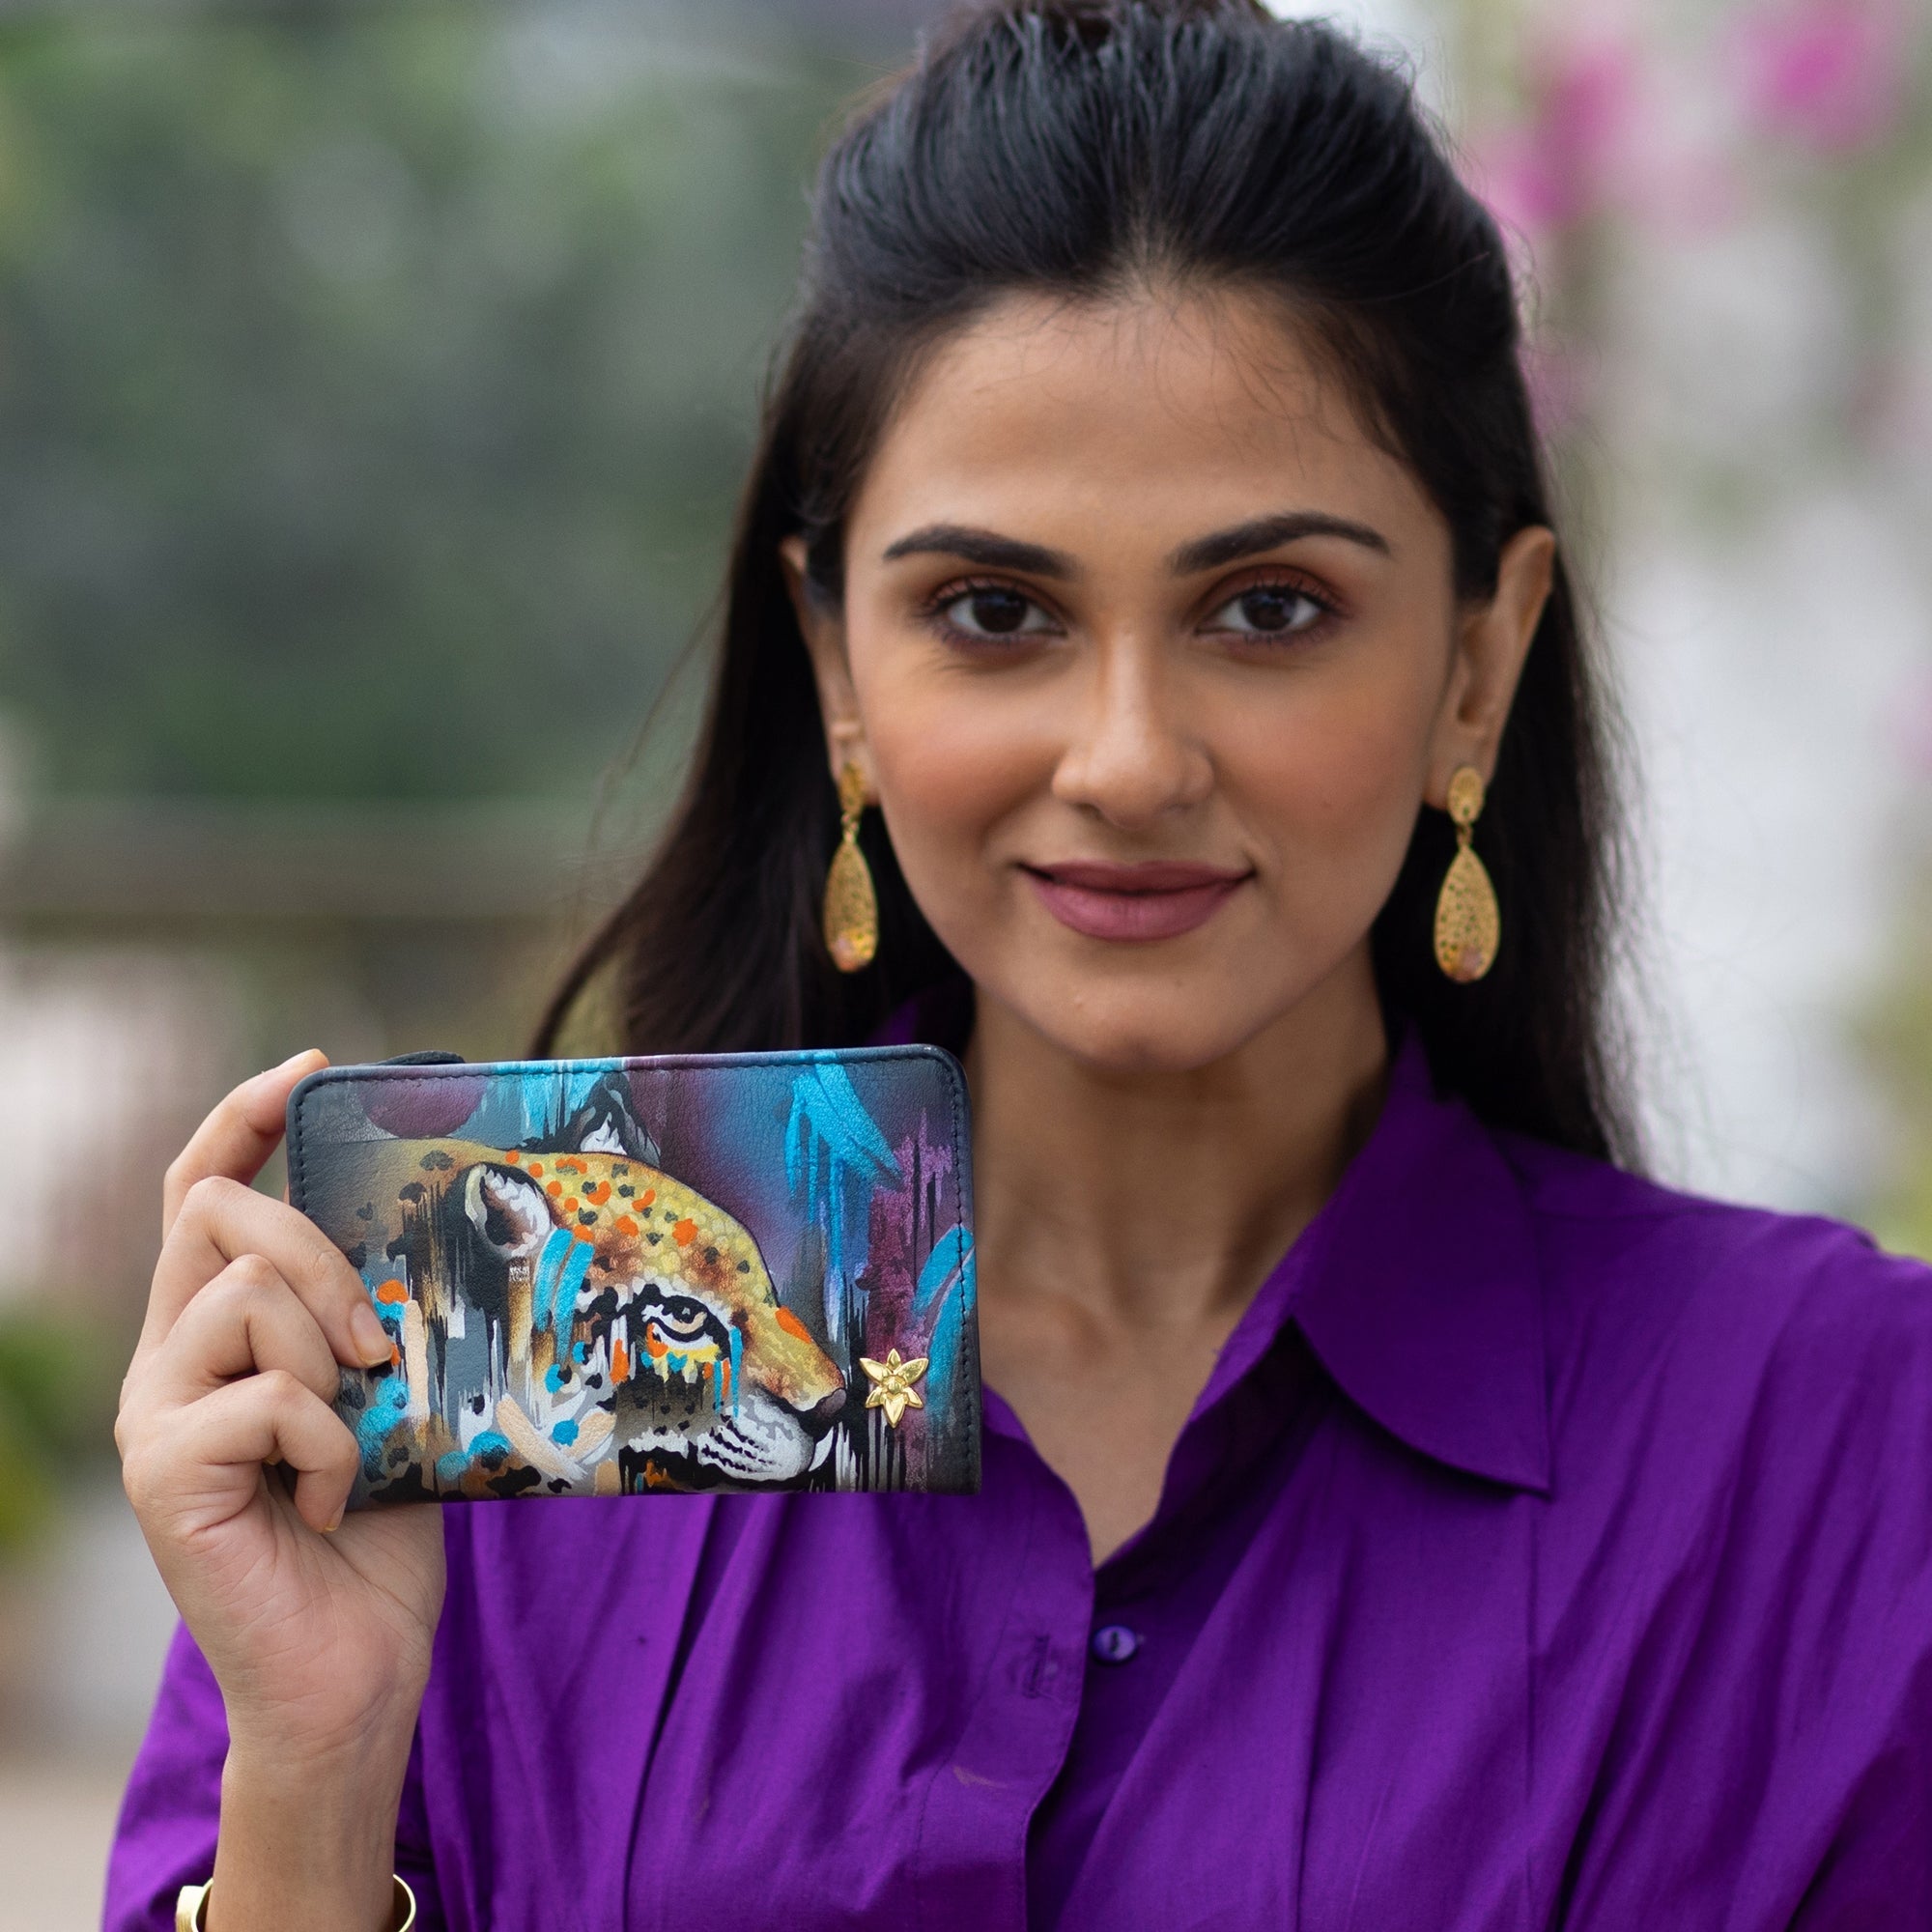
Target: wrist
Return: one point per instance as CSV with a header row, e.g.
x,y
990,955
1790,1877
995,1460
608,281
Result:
x,y
307,1840
293,1744
332,1799
282,1754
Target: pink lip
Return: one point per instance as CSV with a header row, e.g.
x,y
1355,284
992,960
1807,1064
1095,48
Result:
x,y
1160,899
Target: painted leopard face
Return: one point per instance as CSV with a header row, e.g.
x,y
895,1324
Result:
x,y
651,1304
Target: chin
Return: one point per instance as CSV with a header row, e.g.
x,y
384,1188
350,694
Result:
x,y
1174,1028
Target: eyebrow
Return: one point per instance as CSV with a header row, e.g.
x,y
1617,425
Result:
x,y
1213,552
983,547
1263,533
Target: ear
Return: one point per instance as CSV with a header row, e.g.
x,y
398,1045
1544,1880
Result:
x,y
1493,640
508,1210
822,625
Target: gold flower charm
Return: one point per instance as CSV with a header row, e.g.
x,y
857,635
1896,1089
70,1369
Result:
x,y
892,1384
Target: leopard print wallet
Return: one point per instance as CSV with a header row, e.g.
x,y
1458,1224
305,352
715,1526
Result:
x,y
708,1272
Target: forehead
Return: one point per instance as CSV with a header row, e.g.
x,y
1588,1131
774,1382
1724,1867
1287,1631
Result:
x,y
1152,415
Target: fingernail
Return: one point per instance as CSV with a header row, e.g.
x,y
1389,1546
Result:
x,y
334,1522
269,1075
369,1334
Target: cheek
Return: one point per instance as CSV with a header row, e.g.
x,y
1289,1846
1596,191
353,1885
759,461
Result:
x,y
1321,765
1330,779
957,753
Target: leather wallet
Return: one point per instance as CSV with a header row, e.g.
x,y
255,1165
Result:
x,y
706,1272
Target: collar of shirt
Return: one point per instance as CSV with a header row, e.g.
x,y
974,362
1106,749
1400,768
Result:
x,y
1416,1287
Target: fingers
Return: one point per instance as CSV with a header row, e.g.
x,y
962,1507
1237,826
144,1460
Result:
x,y
240,1135
247,1320
204,1464
220,1221
253,1309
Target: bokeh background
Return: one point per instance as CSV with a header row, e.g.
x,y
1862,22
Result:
x,y
375,380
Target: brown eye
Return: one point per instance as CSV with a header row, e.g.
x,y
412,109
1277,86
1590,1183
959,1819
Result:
x,y
1270,610
995,611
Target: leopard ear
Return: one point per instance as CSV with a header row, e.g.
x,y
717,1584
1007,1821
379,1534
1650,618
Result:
x,y
608,1122
507,1209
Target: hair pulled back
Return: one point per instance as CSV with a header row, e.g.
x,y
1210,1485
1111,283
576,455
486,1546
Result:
x,y
1088,149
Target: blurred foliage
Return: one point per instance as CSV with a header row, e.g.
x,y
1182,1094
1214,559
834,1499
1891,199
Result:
x,y
57,1389
1590,130
375,385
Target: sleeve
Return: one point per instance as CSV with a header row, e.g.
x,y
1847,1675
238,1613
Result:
x,y
1766,1765
165,1835
1878,1871
414,1864
1869,1572
171,1811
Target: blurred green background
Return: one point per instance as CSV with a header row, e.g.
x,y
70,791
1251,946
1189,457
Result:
x,y
374,388
376,385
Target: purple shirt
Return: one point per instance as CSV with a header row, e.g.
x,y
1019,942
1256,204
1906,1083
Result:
x,y
1547,1550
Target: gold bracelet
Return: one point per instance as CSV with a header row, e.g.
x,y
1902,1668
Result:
x,y
191,1908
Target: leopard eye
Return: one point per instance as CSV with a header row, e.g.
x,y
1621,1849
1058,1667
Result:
x,y
681,1318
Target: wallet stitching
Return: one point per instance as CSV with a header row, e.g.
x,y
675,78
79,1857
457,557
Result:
x,y
298,1187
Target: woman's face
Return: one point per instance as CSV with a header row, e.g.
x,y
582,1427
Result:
x,y
1151,655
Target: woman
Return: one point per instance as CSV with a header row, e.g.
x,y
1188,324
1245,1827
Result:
x,y
1395,1515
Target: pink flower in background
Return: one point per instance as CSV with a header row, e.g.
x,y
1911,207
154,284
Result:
x,y
1831,74
1608,131
1562,165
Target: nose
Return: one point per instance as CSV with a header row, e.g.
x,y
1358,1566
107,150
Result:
x,y
822,1414
1130,757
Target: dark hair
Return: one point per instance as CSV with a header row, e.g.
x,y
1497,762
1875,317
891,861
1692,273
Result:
x,y
1086,150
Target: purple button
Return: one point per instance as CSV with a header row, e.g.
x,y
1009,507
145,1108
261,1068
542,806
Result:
x,y
1114,1643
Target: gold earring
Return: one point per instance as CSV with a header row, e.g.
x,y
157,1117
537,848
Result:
x,y
851,905
1468,923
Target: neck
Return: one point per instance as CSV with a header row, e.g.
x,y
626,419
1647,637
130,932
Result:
x,y
1163,1199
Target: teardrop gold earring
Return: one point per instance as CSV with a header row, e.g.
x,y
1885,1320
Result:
x,y
851,916
1468,923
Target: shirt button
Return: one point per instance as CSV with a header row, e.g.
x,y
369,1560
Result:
x,y
1114,1643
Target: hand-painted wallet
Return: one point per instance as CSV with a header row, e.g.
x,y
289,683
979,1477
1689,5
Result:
x,y
740,1271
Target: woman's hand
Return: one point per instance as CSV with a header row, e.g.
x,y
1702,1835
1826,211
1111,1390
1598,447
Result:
x,y
317,1629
